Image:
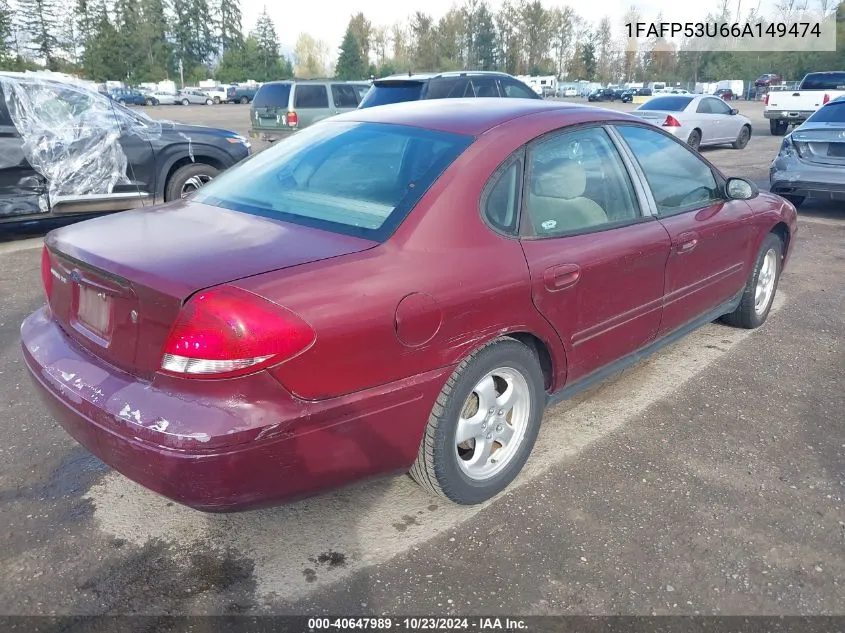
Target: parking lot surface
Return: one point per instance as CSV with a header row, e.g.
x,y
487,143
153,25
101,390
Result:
x,y
706,479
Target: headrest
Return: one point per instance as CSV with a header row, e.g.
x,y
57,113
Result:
x,y
560,179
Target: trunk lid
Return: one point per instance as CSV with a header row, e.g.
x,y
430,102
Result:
x,y
822,143
119,281
270,106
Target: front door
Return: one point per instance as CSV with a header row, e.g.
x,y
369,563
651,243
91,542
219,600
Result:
x,y
596,260
711,236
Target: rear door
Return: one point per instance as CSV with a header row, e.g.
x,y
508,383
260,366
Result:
x,y
596,260
711,237
311,103
23,191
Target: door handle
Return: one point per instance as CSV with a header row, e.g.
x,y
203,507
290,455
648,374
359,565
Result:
x,y
686,242
560,277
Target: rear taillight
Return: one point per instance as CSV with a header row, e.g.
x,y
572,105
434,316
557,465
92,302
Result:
x,y
46,273
826,98
293,119
671,122
766,99
226,332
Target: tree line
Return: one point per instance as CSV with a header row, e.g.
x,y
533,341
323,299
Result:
x,y
151,40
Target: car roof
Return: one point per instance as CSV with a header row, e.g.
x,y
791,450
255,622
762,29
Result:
x,y
451,73
470,116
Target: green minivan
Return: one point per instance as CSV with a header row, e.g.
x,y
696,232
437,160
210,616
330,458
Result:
x,y
283,107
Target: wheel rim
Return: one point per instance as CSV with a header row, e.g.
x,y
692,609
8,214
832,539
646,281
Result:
x,y
766,281
492,423
743,136
193,183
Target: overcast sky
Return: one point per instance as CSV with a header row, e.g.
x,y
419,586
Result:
x,y
327,19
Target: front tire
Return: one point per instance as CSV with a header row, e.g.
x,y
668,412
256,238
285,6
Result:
x,y
483,425
244,100
209,102
760,289
148,102
216,100
187,179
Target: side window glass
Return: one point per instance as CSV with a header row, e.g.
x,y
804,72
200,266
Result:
x,y
678,179
344,96
513,89
579,183
501,198
447,88
717,106
704,107
311,96
485,87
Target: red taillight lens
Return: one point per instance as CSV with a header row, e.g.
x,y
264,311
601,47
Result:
x,y
766,99
671,122
226,332
293,119
826,98
46,273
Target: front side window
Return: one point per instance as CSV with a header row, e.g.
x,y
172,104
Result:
x,y
578,183
348,177
678,179
512,88
306,96
717,106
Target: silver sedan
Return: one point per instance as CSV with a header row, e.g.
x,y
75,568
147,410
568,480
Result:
x,y
699,120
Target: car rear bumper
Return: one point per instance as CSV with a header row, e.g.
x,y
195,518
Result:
x,y
790,115
795,177
269,135
194,443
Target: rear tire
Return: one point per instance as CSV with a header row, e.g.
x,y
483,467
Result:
x,y
209,102
216,100
475,403
148,102
761,287
778,128
188,179
185,102
743,138
694,140
244,100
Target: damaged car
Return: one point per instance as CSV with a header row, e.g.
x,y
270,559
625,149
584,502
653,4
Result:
x,y
68,151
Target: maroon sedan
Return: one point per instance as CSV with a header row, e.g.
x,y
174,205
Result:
x,y
402,288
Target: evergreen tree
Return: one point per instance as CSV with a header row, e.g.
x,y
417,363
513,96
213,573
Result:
x,y
100,58
157,52
38,20
130,49
484,40
227,17
350,63
267,42
193,35
7,52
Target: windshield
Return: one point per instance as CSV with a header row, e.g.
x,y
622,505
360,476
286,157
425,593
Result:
x,y
823,81
392,92
359,179
831,113
670,104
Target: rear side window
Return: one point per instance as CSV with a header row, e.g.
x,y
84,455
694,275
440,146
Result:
x,y
501,199
272,95
448,88
383,93
824,81
485,87
344,96
306,96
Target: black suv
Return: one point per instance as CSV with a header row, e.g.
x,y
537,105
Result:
x,y
602,94
449,85
68,150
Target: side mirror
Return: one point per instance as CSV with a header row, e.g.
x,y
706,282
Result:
x,y
734,111
740,189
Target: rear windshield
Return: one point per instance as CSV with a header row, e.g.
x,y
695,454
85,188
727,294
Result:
x,y
391,92
272,96
830,113
354,178
670,104
823,81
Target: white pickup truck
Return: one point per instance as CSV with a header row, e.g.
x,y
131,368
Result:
x,y
792,107
219,94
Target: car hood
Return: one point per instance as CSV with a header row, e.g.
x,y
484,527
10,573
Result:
x,y
195,131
